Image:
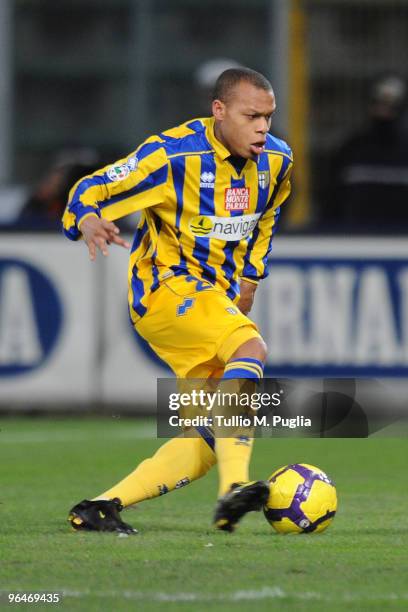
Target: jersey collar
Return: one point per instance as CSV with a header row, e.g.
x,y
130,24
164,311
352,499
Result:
x,y
218,147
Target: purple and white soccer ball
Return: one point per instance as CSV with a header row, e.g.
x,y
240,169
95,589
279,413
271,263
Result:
x,y
302,499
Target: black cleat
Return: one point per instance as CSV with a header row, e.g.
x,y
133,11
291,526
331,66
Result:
x,y
99,515
240,499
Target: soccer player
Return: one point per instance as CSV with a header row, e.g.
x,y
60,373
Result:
x,y
209,192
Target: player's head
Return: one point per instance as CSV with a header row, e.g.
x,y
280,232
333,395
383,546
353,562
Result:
x,y
243,105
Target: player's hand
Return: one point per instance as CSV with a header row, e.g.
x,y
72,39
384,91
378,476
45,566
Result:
x,y
99,234
247,294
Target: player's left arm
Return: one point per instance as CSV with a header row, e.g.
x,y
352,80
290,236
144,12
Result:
x,y
260,245
246,295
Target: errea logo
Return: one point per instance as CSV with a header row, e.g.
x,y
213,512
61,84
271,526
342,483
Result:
x,y
207,180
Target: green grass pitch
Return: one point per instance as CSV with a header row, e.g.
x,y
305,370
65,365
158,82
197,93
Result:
x,y
178,562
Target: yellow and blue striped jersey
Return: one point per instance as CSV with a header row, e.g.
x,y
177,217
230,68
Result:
x,y
201,216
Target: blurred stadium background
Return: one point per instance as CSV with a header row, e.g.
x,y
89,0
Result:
x,y
83,82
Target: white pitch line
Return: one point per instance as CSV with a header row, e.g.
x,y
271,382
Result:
x,y
266,592
74,436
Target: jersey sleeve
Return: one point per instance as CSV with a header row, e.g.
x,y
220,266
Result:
x,y
131,184
260,245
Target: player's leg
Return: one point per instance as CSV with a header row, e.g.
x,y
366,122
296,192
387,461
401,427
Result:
x,y
177,460
233,446
178,328
177,463
187,328
243,371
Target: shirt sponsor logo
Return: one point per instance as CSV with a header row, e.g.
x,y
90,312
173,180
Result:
x,y
119,173
237,198
224,228
263,179
207,180
231,310
201,225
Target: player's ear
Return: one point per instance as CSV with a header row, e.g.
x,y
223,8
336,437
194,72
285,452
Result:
x,y
218,109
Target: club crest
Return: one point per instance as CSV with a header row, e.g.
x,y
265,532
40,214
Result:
x,y
263,179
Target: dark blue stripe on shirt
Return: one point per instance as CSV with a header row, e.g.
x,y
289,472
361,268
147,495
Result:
x,y
263,166
196,125
147,149
139,235
228,267
155,270
138,292
84,185
153,180
178,168
207,207
249,270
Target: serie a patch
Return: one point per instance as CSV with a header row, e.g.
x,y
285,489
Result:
x,y
119,173
237,198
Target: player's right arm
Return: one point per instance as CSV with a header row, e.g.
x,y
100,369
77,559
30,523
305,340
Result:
x,y
98,233
129,185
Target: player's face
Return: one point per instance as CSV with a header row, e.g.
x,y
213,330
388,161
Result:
x,y
244,120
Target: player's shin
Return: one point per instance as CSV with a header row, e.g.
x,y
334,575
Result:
x,y
232,422
177,463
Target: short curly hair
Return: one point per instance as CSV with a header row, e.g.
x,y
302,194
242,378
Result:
x,y
230,78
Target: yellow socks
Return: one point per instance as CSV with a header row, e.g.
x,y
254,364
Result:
x,y
184,459
233,456
176,463
233,445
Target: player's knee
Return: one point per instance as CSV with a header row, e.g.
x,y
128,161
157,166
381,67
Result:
x,y
255,348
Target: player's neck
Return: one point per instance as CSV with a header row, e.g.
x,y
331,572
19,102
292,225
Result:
x,y
220,138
